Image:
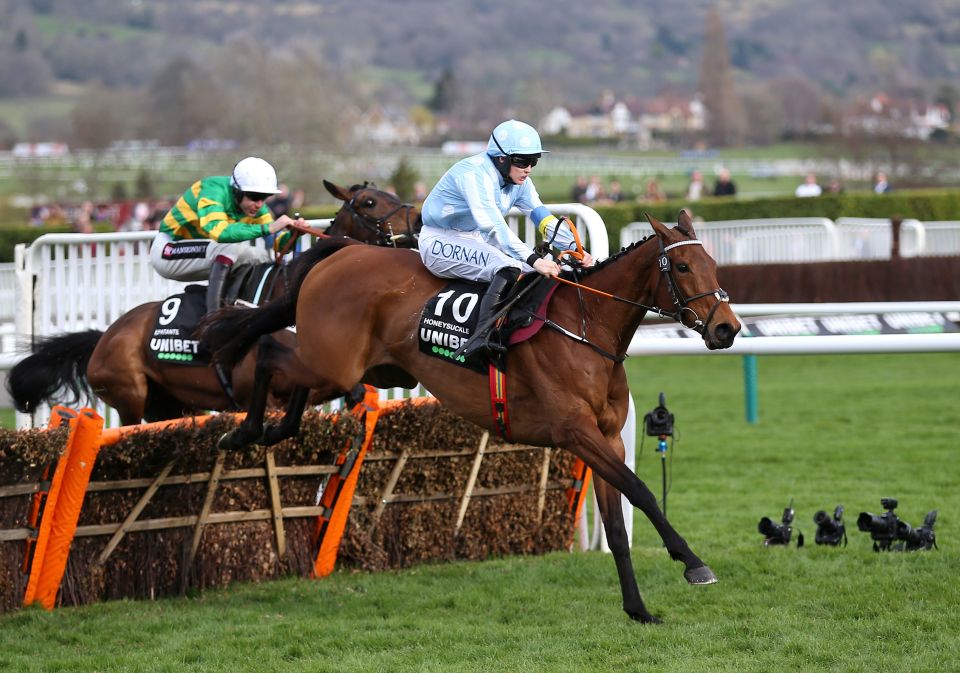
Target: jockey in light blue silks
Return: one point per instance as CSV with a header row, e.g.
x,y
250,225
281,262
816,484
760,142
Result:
x,y
464,232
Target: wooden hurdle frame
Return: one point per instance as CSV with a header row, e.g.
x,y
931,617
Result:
x,y
56,503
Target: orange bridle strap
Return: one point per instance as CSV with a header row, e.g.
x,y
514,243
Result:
x,y
576,254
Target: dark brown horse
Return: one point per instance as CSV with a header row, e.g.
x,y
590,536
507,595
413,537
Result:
x,y
116,365
373,216
357,318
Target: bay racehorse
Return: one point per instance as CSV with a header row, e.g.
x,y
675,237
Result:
x,y
370,215
357,317
117,366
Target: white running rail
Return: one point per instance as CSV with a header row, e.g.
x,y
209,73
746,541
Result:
x,y
813,239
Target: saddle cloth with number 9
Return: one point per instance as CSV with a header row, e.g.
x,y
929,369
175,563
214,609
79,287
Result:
x,y
172,340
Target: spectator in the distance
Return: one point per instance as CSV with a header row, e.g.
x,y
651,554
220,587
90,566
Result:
x,y
724,186
808,187
880,184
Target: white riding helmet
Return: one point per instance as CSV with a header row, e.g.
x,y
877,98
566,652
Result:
x,y
514,137
253,174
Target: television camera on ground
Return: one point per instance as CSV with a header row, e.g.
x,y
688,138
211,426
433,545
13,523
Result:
x,y
830,529
779,533
891,533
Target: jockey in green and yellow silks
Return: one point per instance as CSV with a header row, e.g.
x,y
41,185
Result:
x,y
214,225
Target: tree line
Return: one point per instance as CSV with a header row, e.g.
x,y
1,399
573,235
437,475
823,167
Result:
x,y
303,72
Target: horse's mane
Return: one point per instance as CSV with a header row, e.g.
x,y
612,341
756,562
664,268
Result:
x,y
584,272
623,252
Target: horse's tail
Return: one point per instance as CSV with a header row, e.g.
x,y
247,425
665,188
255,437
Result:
x,y
230,333
58,364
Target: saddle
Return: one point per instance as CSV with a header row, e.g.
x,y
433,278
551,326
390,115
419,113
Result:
x,y
172,341
252,284
449,319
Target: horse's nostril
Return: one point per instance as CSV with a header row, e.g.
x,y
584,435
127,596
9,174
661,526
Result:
x,y
724,332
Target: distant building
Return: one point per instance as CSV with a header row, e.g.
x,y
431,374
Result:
x,y
628,119
883,115
674,115
556,122
385,126
606,118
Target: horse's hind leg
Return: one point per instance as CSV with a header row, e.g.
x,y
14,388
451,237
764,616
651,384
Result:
x,y
611,512
251,429
289,425
281,359
121,384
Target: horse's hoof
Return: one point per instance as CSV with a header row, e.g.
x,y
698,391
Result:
x,y
273,434
355,396
701,575
229,442
644,617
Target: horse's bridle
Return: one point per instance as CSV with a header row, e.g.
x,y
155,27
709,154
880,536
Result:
x,y
384,234
681,302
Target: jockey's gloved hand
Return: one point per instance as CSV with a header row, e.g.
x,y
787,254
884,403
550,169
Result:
x,y
547,267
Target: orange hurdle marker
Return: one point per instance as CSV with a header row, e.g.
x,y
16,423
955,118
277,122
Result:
x,y
577,493
63,503
338,494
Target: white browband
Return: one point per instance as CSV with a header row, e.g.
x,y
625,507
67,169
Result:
x,y
695,241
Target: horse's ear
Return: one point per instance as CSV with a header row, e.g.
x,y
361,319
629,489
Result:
x,y
337,191
659,227
685,222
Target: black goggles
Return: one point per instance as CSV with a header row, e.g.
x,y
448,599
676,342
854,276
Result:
x,y
523,161
256,196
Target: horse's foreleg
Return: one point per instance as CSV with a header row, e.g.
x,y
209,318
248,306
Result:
x,y
605,458
608,498
251,429
289,426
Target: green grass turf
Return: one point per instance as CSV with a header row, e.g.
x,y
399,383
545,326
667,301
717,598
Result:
x,y
833,430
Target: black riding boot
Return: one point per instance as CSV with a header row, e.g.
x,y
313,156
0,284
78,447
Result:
x,y
216,285
499,286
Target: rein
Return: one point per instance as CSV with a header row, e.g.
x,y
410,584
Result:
x,y
307,229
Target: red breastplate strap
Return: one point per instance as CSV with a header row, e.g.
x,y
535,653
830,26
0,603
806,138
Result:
x,y
498,402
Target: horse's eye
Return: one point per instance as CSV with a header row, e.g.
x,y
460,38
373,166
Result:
x,y
683,268
369,203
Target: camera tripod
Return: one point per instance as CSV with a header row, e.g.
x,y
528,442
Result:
x,y
662,450
659,423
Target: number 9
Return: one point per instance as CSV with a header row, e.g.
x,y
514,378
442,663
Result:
x,y
168,310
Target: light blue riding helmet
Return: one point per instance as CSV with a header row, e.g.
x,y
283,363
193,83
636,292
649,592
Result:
x,y
514,137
